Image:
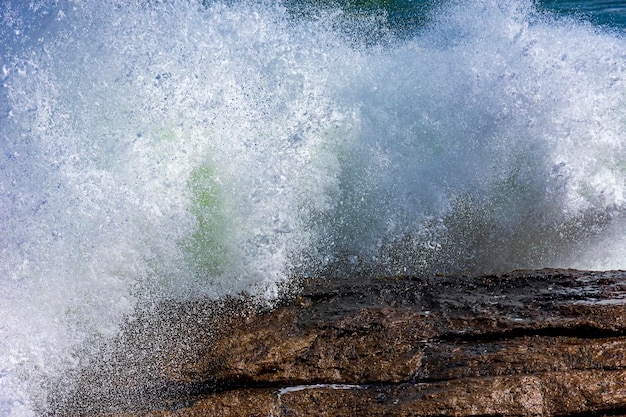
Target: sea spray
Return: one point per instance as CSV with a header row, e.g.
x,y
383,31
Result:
x,y
472,151
172,149
125,127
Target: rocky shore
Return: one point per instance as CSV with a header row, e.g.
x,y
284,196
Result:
x,y
528,343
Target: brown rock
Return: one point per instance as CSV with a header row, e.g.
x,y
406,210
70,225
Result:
x,y
529,343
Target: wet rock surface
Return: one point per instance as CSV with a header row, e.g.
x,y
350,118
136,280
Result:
x,y
529,343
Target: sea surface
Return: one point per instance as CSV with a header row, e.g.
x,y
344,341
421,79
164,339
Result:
x,y
172,149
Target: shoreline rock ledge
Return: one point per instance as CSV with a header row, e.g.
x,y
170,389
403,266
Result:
x,y
529,343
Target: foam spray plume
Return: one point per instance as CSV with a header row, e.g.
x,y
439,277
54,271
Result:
x,y
170,150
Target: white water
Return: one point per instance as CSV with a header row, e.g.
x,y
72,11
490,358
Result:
x,y
173,150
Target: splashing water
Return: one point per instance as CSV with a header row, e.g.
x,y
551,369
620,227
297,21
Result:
x,y
171,149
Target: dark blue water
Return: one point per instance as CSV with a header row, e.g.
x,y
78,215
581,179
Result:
x,y
177,148
607,13
407,16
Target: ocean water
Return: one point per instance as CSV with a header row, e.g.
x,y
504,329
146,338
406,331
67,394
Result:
x,y
171,149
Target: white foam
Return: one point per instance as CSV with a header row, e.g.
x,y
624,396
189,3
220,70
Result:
x,y
296,388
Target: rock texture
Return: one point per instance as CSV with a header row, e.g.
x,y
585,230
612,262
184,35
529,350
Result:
x,y
529,343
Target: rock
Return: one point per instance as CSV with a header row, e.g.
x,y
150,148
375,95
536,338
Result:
x,y
529,343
